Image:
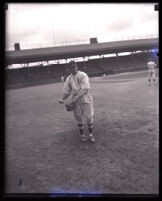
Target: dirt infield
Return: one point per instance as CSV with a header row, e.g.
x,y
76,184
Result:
x,y
44,153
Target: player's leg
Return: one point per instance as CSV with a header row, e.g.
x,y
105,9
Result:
x,y
153,77
89,113
91,135
149,78
78,114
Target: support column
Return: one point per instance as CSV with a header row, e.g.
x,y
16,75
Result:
x,y
84,66
133,59
117,61
29,73
48,70
101,65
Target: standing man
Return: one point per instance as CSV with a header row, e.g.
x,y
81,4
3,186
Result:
x,y
62,78
151,71
77,85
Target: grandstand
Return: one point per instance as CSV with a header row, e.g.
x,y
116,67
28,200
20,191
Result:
x,y
139,51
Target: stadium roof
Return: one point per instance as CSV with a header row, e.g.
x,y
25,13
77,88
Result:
x,y
65,52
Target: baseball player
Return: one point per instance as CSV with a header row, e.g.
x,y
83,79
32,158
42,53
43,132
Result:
x,y
151,71
62,78
77,85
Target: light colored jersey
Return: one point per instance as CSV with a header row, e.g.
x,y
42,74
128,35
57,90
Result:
x,y
75,83
151,65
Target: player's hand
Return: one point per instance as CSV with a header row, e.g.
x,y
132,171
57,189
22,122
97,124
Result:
x,y
61,101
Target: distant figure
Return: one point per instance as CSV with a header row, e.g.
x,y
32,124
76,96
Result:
x,y
151,72
62,78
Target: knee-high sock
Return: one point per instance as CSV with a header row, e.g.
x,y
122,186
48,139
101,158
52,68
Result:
x,y
80,126
90,128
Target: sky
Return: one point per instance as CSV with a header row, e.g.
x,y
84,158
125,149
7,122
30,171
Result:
x,y
54,24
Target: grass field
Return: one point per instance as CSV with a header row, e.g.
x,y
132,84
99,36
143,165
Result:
x,y
44,151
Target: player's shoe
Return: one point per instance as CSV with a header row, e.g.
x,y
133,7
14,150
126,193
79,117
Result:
x,y
83,138
91,138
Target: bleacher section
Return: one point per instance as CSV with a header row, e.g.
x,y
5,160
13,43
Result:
x,y
38,73
93,67
14,76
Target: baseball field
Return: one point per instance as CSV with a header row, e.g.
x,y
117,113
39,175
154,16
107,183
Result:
x,y
44,153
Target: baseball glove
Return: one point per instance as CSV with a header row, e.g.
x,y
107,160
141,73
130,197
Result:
x,y
70,105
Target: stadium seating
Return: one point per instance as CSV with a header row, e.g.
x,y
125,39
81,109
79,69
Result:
x,y
19,75
38,73
93,67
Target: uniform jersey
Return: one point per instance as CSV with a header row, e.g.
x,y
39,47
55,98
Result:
x,y
76,83
151,65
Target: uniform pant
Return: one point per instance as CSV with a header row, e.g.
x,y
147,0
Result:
x,y
151,74
84,109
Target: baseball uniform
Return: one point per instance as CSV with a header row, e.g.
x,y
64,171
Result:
x,y
79,85
151,70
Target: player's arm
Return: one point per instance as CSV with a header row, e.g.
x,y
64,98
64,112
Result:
x,y
84,87
81,93
66,91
